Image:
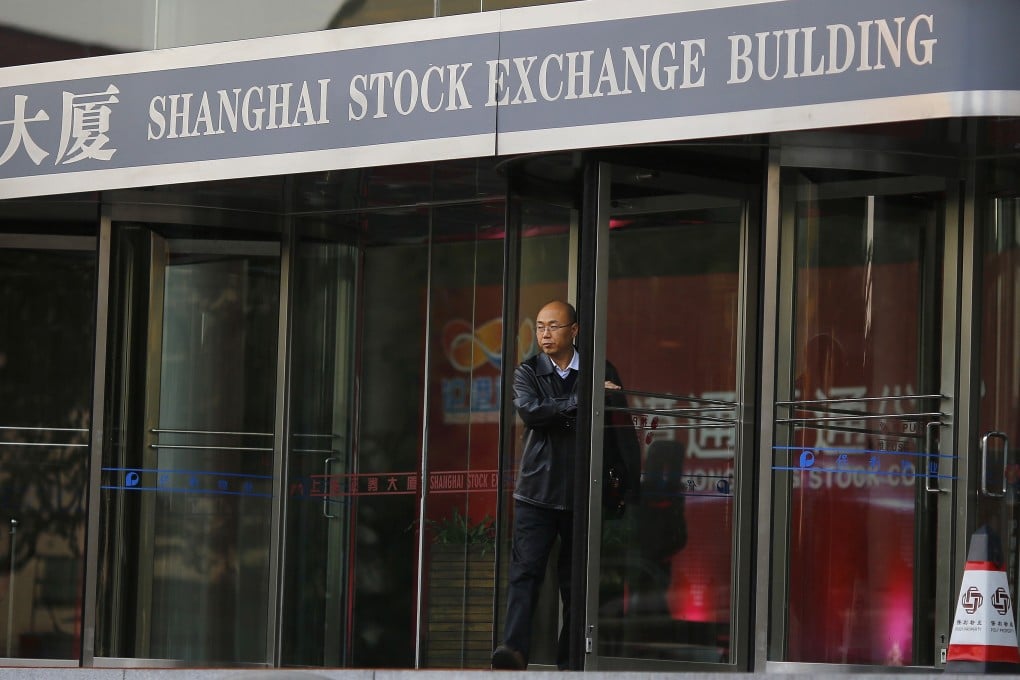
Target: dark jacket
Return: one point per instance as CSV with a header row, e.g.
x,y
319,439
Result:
x,y
549,412
546,476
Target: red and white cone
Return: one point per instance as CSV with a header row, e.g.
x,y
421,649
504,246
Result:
x,y
984,635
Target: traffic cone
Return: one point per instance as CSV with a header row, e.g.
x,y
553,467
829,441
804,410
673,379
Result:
x,y
984,635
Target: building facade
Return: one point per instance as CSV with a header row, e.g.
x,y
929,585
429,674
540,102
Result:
x,y
265,276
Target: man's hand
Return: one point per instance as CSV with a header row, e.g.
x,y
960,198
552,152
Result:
x,y
610,385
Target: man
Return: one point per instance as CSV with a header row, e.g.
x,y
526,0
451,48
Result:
x,y
545,396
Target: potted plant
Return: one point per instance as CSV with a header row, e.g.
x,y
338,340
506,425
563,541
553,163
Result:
x,y
460,591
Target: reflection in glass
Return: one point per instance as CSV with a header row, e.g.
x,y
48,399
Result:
x,y
860,544
47,322
187,473
671,329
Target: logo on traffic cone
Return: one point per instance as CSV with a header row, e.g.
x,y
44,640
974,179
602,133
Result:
x,y
984,635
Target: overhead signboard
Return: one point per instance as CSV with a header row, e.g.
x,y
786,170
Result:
x,y
565,76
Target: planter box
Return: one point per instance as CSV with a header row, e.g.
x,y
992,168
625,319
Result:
x,y
459,620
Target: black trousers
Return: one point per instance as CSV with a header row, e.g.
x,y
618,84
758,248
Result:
x,y
534,534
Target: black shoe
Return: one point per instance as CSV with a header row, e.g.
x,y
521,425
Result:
x,y
508,659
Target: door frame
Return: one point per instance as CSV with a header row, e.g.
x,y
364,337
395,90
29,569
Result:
x,y
592,304
131,207
952,282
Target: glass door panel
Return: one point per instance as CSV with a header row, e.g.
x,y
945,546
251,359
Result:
x,y
387,463
998,483
47,331
856,465
393,438
358,343
547,240
668,579
323,319
188,470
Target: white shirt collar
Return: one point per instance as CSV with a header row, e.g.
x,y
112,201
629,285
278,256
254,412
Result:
x,y
575,364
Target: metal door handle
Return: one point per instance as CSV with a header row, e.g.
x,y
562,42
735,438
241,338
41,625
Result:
x,y
984,463
325,495
932,477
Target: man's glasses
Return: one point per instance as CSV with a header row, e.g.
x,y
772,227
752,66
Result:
x,y
552,328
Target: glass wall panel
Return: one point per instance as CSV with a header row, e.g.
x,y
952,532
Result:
x,y
187,468
462,465
47,329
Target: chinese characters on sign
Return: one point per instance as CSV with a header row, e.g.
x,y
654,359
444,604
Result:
x,y
393,483
84,124
312,486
